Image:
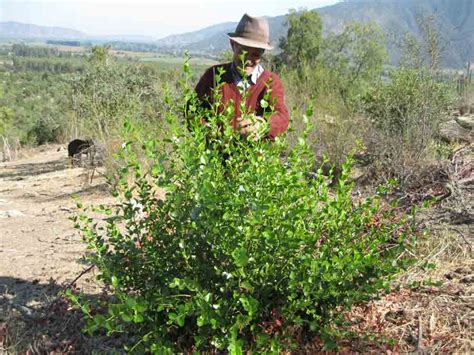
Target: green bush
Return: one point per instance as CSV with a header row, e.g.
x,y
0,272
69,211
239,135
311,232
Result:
x,y
44,130
406,113
412,98
242,253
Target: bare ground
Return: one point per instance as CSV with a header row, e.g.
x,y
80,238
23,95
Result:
x,y
40,251
430,310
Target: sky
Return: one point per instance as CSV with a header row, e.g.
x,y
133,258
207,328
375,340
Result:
x,y
156,18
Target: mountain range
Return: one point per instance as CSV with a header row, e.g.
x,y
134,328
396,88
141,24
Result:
x,y
454,20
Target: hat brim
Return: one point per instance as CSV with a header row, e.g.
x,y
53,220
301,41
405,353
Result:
x,y
248,42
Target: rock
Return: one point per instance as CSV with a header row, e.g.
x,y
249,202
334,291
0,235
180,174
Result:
x,y
451,132
465,122
11,213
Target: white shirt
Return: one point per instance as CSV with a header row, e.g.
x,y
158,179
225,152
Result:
x,y
250,80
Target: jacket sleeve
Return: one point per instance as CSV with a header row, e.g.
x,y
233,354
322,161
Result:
x,y
204,87
280,119
203,91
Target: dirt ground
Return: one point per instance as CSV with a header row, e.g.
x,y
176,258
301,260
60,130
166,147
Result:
x,y
40,251
38,244
41,254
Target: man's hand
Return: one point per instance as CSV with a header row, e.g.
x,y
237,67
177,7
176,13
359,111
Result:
x,y
252,125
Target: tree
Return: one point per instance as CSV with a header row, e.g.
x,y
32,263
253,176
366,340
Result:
x,y
303,41
355,56
6,118
100,55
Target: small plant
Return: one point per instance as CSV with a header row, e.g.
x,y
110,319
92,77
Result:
x,y
223,244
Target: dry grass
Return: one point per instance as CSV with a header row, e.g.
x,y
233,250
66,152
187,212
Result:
x,y
431,306
51,326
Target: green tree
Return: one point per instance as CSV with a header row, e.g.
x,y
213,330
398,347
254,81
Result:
x,y
6,119
304,37
100,55
355,57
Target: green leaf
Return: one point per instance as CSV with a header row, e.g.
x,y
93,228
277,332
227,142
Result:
x,y
138,318
180,321
208,297
235,347
126,317
201,320
141,307
246,285
99,319
250,304
114,281
240,257
130,302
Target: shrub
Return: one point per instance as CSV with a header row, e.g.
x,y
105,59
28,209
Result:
x,y
44,130
242,253
406,113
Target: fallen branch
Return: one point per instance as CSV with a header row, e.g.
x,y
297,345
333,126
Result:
x,y
419,346
80,275
463,237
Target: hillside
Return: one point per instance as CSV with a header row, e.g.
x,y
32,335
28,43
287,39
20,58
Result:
x,y
25,31
17,30
455,20
40,258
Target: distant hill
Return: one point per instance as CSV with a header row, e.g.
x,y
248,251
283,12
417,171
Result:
x,y
396,17
17,30
455,19
125,38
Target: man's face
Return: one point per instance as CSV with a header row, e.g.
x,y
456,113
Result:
x,y
252,55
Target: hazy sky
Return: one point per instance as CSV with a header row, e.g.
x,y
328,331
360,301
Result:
x,y
155,18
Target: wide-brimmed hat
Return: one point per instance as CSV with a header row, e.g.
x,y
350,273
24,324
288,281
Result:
x,y
252,32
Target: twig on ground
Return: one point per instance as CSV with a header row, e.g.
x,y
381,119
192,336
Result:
x,y
80,275
463,237
419,346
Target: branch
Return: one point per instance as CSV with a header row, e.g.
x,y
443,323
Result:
x,y
80,275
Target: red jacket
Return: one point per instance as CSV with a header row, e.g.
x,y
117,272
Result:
x,y
279,119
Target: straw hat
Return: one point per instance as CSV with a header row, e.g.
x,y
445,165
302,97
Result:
x,y
252,32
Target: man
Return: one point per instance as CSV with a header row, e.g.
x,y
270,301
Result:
x,y
250,38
